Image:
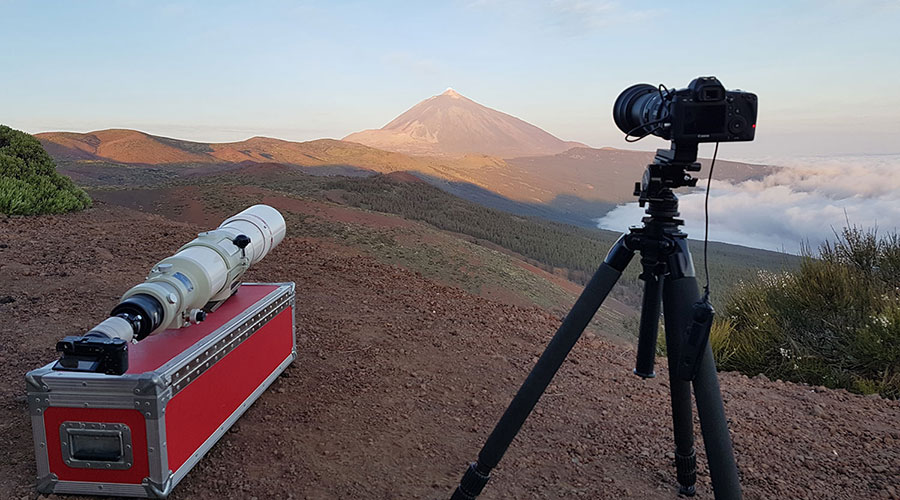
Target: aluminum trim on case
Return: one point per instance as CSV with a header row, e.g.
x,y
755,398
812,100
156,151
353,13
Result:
x,y
168,370
215,436
45,388
40,446
158,460
224,345
87,488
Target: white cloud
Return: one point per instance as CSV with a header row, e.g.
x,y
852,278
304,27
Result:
x,y
804,202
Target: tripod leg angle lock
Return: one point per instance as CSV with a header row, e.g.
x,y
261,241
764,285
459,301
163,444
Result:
x,y
670,288
693,344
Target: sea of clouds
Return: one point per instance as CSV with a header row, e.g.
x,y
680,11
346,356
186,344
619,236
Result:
x,y
803,203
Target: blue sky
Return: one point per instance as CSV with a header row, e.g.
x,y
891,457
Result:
x,y
826,71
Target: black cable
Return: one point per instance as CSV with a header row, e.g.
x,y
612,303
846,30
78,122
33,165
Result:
x,y
639,137
658,123
712,165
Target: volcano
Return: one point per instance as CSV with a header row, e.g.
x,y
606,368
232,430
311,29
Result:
x,y
452,124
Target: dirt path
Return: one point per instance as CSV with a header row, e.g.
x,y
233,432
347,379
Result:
x,y
400,380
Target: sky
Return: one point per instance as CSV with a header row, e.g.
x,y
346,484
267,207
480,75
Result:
x,y
826,71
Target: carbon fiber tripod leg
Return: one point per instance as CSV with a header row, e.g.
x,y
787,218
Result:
x,y
680,392
478,473
678,297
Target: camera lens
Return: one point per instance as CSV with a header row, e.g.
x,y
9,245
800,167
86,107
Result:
x,y
636,106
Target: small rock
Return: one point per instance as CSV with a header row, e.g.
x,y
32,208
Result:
x,y
7,300
103,254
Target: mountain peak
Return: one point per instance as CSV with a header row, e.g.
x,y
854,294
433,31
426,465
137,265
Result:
x,y
451,124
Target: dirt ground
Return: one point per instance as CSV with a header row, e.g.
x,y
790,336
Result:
x,y
400,380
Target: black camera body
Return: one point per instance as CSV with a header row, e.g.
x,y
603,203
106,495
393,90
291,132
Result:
x,y
702,112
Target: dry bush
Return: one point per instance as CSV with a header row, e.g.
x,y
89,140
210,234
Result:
x,y
29,182
833,322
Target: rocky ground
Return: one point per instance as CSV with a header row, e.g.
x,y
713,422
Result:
x,y
400,380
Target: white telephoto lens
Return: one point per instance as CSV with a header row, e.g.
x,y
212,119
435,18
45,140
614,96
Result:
x,y
263,225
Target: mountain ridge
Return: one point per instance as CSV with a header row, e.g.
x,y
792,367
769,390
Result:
x,y
580,182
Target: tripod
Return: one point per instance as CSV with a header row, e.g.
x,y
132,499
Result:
x,y
670,281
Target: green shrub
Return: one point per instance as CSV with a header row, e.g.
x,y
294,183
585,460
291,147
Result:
x,y
833,322
29,182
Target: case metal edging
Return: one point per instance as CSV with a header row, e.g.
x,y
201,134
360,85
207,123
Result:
x,y
170,370
209,357
90,488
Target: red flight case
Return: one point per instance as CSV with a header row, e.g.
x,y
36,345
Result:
x,y
138,434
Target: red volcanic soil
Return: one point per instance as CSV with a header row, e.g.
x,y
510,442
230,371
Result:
x,y
400,380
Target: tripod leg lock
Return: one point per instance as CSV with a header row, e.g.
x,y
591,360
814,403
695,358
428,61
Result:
x,y
472,483
686,473
693,344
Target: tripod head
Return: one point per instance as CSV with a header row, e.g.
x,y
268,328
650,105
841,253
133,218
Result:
x,y
668,171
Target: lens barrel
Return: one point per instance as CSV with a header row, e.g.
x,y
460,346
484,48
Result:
x,y
637,106
143,311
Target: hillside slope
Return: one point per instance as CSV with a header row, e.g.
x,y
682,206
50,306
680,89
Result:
x,y
569,252
399,380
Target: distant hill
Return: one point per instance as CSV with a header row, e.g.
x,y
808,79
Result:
x,y
453,124
134,147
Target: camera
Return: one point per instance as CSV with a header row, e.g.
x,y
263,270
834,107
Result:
x,y
702,112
